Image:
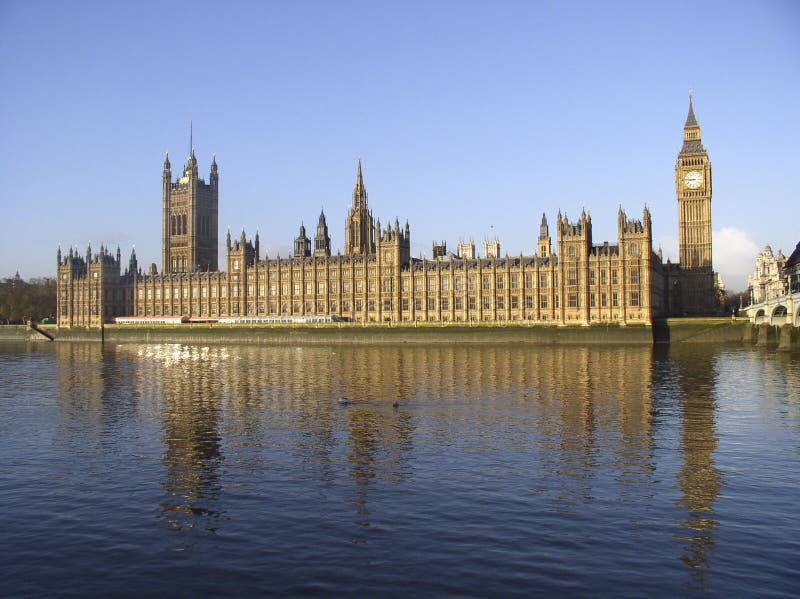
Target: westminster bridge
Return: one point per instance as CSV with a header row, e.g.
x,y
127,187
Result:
x,y
784,309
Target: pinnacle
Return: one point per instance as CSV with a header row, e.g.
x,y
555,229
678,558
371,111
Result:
x,y
360,178
691,121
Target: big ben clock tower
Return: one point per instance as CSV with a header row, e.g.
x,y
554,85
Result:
x,y
693,189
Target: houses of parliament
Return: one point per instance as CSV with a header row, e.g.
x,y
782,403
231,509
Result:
x,y
375,279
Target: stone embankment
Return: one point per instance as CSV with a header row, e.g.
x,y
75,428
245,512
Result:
x,y
725,330
349,334
26,332
672,331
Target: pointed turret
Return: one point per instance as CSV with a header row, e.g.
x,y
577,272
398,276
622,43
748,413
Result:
x,y
58,256
544,245
133,264
359,227
302,244
691,121
214,177
322,241
359,191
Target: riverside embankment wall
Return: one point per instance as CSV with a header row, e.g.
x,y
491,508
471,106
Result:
x,y
21,332
675,331
329,334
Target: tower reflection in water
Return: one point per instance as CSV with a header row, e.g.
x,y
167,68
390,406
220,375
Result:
x,y
189,379
700,481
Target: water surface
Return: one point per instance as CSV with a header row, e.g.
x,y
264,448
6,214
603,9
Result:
x,y
175,469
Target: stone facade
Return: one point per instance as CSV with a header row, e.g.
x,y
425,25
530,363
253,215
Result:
x,y
577,282
767,280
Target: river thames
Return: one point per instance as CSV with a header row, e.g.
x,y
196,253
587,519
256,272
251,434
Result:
x,y
502,470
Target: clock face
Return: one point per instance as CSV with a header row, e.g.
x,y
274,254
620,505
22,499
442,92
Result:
x,y
693,179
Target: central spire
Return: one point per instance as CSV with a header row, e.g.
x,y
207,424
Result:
x,y
359,191
359,228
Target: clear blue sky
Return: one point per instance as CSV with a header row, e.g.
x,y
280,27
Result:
x,y
471,118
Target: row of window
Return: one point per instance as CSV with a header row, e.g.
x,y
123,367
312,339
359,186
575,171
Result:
x,y
388,285
574,300
633,250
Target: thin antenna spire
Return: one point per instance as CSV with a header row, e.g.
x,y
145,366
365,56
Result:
x,y
191,142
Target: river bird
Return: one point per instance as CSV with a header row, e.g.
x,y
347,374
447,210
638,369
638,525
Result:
x,y
343,401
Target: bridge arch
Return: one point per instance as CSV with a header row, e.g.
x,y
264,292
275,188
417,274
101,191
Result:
x,y
760,316
779,315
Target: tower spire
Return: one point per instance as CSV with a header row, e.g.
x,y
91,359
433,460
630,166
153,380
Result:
x,y
691,121
359,192
544,230
360,177
191,141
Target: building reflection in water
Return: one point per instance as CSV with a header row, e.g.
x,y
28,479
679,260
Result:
x,y
93,395
700,481
579,419
189,380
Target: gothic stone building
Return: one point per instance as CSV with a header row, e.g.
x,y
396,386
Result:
x,y
376,279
